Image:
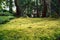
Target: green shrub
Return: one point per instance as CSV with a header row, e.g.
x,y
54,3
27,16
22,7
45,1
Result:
x,y
54,15
4,19
5,14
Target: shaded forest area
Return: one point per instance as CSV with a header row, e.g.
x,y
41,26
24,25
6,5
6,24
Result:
x,y
38,8
31,8
10,9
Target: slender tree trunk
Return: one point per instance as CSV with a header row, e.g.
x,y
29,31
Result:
x,y
38,15
18,9
44,11
10,6
48,2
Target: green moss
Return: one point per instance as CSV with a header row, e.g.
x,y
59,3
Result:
x,y
31,29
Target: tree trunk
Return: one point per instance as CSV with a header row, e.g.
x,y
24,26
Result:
x,y
38,15
10,6
18,9
48,7
44,11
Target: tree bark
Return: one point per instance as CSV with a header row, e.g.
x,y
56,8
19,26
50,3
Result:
x,y
44,11
10,6
38,15
18,9
48,2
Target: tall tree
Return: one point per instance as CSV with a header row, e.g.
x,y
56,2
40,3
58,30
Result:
x,y
10,6
46,7
44,11
37,6
48,3
18,9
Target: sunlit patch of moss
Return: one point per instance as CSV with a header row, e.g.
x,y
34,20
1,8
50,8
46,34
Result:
x,y
31,29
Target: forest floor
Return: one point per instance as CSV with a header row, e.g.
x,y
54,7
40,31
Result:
x,y
31,29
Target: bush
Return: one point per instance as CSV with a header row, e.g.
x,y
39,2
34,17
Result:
x,y
5,14
4,19
54,15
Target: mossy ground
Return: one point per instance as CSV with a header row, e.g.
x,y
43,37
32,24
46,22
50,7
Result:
x,y
31,29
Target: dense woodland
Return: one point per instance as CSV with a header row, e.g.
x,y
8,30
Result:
x,y
31,8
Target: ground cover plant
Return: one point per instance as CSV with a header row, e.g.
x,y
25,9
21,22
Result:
x,y
31,29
